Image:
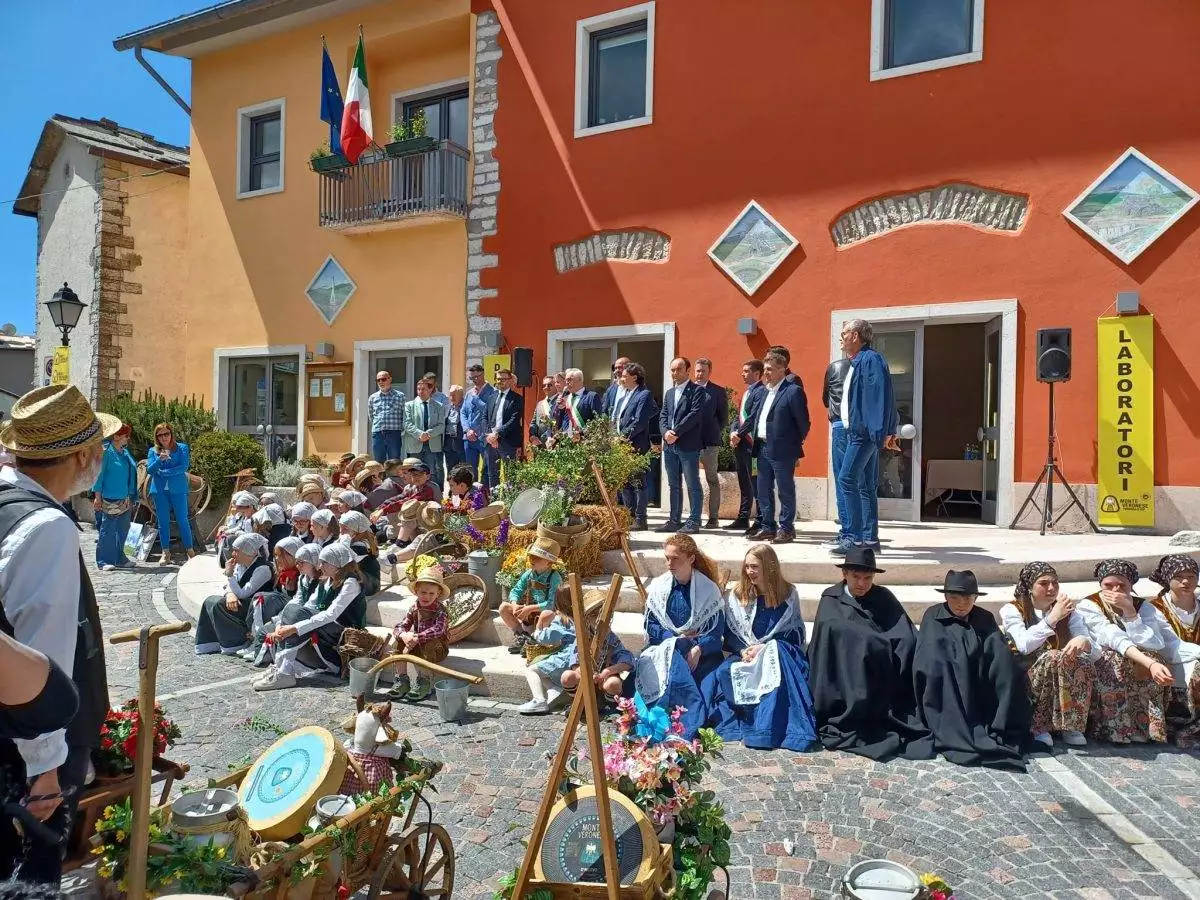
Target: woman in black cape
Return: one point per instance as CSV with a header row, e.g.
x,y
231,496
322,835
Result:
x,y
973,694
861,668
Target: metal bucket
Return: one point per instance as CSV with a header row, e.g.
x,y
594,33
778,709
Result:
x,y
195,814
486,568
362,683
451,699
880,879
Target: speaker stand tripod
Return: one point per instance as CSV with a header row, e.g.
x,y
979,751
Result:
x,y
1047,478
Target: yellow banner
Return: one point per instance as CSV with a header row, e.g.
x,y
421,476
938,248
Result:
x,y
493,364
61,371
1125,424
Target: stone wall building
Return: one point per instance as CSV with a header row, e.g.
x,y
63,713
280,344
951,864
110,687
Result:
x,y
111,210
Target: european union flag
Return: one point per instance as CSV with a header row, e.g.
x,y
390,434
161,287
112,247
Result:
x,y
331,102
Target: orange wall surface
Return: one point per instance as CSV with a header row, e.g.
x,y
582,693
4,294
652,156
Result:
x,y
776,104
251,259
158,221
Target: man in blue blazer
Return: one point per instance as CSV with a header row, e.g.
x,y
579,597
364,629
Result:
x,y
634,410
741,439
780,425
614,390
505,424
716,416
682,424
473,416
576,405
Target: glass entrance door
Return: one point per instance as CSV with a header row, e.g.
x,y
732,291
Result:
x,y
264,402
595,360
900,473
990,434
407,367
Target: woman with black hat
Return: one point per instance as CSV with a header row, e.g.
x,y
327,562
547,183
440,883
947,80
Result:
x,y
973,695
861,668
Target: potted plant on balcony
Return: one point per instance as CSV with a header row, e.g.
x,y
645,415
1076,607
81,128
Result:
x,y
410,136
325,162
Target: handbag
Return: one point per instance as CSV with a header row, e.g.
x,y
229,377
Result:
x,y
115,507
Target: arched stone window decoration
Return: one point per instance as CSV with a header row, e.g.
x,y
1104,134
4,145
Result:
x,y
631,245
964,204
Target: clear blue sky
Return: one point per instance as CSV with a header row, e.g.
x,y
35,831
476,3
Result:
x,y
58,58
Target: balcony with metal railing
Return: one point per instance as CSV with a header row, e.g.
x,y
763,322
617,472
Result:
x,y
385,191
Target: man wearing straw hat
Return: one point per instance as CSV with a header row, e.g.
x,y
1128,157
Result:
x,y
48,604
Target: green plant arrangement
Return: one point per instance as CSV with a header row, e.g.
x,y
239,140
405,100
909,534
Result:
x,y
568,463
219,455
407,128
282,474
190,417
324,160
725,458
313,461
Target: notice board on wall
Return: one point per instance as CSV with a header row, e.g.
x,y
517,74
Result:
x,y
327,393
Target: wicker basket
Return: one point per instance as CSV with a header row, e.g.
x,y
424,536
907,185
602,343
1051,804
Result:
x,y
488,517
358,642
467,621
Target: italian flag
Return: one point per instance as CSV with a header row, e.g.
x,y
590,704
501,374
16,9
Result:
x,y
356,117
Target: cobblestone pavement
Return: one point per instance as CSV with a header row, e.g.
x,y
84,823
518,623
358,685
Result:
x,y
1066,829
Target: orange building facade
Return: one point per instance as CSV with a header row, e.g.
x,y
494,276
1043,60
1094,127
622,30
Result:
x,y
920,166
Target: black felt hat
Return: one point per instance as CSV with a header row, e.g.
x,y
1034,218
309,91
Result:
x,y
860,559
963,582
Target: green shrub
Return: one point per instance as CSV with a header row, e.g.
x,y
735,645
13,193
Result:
x,y
282,474
725,458
219,455
188,416
569,464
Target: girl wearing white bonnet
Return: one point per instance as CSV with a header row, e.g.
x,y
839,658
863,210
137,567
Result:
x,y
244,504
324,527
302,514
306,639
359,536
223,625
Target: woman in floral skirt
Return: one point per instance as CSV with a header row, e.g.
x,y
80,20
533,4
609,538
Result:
x,y
1051,641
1177,602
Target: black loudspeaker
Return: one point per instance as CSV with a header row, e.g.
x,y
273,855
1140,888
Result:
x,y
522,366
1053,354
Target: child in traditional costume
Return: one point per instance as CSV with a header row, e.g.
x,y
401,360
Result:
x,y
238,522
760,695
533,593
356,531
266,605
302,514
685,629
424,633
324,528
1177,602
306,561
466,494
307,636
544,672
223,625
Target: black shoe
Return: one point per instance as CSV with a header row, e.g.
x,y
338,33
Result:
x,y
712,523
738,525
518,645
763,536
753,532
784,537
668,528
690,529
641,525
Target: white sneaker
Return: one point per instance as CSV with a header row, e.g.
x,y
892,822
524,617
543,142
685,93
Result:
x,y
275,680
534,708
238,652
107,567
246,653
1044,739
1074,739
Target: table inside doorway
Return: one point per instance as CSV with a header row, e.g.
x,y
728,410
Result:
x,y
946,478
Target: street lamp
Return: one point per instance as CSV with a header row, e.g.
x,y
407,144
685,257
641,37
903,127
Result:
x,y
65,310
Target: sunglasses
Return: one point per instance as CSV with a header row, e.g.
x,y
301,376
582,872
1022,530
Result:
x,y
381,380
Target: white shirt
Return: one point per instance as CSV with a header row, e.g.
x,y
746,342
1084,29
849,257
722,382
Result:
x,y
1149,631
1185,617
349,590
500,409
760,430
846,397
619,401
260,577
39,584
1029,638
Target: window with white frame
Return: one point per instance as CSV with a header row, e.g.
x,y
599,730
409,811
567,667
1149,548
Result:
x,y
260,149
911,36
614,70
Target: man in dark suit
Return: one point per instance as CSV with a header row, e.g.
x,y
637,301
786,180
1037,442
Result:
x,y
741,439
634,410
682,423
576,405
780,425
716,415
505,425
614,390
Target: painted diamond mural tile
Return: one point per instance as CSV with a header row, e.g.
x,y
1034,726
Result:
x,y
330,290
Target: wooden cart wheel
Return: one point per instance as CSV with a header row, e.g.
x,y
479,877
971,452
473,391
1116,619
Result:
x,y
418,865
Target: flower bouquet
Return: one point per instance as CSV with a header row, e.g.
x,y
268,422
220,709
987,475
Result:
x,y
935,888
119,737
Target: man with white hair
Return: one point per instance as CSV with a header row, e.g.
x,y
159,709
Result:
x,y
577,405
452,447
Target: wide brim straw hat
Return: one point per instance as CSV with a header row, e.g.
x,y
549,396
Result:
x,y
410,510
545,548
431,516
487,517
55,421
432,575
362,476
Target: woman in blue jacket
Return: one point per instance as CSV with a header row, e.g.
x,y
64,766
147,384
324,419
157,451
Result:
x,y
116,497
167,465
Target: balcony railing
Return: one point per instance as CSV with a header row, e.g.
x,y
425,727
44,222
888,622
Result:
x,y
384,191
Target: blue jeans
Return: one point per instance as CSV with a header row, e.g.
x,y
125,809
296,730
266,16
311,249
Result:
x,y
164,506
683,464
858,481
387,445
838,440
777,474
110,544
633,497
472,455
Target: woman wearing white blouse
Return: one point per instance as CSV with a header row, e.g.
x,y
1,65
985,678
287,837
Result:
x,y
1051,641
1178,605
1133,638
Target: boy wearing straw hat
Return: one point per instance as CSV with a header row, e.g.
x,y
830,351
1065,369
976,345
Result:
x,y
533,593
49,605
424,633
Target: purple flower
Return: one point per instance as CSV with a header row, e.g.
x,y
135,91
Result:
x,y
502,537
475,534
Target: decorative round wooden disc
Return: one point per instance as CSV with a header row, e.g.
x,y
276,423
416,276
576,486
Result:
x,y
572,851
282,787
